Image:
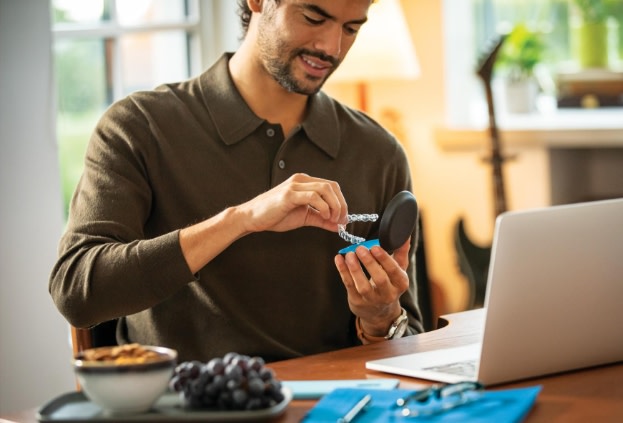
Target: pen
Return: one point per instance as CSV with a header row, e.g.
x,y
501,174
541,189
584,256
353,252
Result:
x,y
357,408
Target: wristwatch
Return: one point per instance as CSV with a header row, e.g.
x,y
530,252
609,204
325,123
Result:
x,y
396,330
399,326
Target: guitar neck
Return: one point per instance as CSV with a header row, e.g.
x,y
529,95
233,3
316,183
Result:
x,y
499,198
496,159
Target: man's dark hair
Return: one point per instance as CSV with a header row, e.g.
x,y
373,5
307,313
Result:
x,y
245,15
244,12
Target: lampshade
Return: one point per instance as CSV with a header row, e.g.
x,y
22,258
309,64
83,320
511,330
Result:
x,y
383,49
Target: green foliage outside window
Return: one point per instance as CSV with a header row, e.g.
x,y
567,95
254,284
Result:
x,y
100,56
82,95
551,18
594,10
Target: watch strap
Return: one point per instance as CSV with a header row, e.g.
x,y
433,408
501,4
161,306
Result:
x,y
391,334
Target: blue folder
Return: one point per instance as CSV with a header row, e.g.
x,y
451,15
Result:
x,y
511,405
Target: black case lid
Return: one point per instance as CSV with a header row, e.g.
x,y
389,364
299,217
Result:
x,y
398,221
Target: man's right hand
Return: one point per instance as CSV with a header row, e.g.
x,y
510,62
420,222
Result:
x,y
301,200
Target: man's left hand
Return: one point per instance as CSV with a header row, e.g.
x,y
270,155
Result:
x,y
375,298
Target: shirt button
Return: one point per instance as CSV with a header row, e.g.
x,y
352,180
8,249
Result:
x,y
270,132
282,164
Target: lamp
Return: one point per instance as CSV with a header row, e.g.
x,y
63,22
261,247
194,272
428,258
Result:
x,y
383,50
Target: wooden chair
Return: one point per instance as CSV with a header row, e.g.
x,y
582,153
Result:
x,y
101,335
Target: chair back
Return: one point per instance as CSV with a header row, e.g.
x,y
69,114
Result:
x,y
101,335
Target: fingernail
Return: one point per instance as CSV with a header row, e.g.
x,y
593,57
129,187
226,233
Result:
x,y
376,251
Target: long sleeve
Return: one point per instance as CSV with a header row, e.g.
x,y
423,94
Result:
x,y
108,266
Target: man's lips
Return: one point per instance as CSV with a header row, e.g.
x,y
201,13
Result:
x,y
316,66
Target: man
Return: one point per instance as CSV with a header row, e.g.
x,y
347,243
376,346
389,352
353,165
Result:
x,y
207,214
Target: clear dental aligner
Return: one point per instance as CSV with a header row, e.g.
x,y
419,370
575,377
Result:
x,y
341,229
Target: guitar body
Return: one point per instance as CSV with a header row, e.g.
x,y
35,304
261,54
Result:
x,y
474,259
474,265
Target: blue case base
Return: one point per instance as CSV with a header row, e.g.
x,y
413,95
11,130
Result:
x,y
368,244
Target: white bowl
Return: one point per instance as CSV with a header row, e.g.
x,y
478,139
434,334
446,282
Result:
x,y
125,388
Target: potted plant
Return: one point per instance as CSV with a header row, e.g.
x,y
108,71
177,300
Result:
x,y
521,53
591,23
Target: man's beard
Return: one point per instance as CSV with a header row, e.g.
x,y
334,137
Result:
x,y
282,72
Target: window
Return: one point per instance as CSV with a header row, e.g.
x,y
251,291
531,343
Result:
x,y
105,49
472,25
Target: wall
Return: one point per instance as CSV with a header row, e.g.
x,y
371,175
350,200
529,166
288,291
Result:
x,y
34,347
224,34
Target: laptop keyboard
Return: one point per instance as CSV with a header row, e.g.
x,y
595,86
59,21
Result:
x,y
461,368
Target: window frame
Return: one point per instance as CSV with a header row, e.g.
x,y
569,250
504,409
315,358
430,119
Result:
x,y
464,94
112,31
200,14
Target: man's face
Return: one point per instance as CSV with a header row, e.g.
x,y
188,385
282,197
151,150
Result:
x,y
301,42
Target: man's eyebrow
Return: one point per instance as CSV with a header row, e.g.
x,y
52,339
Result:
x,y
320,11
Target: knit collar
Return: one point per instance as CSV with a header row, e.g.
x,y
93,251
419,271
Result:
x,y
235,121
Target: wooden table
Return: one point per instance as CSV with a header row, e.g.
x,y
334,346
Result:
x,y
593,395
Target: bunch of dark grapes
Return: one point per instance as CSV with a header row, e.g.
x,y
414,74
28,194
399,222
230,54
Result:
x,y
233,382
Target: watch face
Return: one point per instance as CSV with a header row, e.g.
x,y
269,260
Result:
x,y
399,326
402,327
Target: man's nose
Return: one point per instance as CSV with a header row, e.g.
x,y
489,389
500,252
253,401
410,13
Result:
x,y
330,41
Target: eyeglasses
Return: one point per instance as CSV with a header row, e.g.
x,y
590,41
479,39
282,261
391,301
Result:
x,y
439,398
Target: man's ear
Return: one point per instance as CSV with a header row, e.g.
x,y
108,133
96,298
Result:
x,y
255,5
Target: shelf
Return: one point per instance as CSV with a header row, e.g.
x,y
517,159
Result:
x,y
566,128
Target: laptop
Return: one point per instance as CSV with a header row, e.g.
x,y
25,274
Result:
x,y
554,299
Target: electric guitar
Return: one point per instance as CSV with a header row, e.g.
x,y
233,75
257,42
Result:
x,y
474,259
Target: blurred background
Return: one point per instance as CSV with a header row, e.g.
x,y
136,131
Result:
x,y
557,86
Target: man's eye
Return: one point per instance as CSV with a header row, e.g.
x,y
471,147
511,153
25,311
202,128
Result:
x,y
313,21
351,30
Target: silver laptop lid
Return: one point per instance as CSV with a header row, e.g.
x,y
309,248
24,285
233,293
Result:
x,y
555,291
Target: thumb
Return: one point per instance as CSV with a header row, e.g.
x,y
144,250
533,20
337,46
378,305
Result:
x,y
313,218
401,255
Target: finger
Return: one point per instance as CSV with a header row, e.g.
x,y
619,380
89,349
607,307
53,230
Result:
x,y
401,255
307,196
341,209
321,202
392,268
360,279
379,276
314,218
330,199
355,299
345,275
325,196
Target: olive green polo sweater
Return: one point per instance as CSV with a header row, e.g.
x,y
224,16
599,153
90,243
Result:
x,y
162,160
